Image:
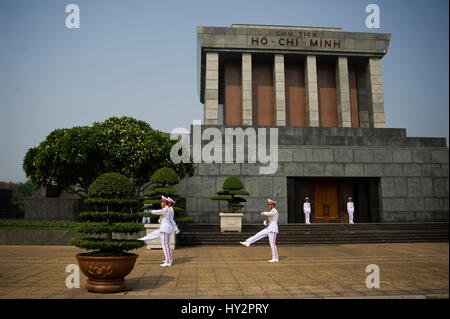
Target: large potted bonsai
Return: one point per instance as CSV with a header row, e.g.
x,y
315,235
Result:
x,y
162,183
112,197
231,192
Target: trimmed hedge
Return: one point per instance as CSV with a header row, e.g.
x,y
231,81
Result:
x,y
232,183
108,216
101,228
107,245
112,185
162,183
232,187
165,176
111,202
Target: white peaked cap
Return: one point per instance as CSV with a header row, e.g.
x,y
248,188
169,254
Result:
x,y
170,200
271,201
164,198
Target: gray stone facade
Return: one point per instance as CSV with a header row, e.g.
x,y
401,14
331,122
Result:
x,y
412,172
217,44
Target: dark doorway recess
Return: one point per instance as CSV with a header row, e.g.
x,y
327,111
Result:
x,y
328,197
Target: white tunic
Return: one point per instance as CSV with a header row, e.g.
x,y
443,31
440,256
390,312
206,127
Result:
x,y
172,222
165,219
273,221
307,207
350,207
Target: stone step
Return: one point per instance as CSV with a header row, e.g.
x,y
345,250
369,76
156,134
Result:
x,y
209,234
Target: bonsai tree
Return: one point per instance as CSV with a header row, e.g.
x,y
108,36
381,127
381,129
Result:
x,y
232,188
112,197
162,182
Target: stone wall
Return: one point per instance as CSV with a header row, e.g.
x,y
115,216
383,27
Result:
x,y
53,209
413,172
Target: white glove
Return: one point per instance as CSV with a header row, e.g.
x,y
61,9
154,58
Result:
x,y
177,232
265,223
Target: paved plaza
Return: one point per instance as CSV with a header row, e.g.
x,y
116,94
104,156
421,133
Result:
x,y
407,270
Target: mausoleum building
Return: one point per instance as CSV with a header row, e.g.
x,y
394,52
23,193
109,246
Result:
x,y
322,88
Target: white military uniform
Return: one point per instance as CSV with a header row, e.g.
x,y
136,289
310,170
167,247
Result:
x,y
271,230
350,210
172,222
307,211
163,232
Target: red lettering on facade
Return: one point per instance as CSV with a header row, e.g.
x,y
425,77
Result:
x,y
255,41
263,41
312,43
337,43
328,43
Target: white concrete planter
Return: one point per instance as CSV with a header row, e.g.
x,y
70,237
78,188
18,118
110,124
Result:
x,y
231,222
156,244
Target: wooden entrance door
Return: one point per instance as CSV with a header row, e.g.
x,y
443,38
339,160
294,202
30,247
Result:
x,y
326,201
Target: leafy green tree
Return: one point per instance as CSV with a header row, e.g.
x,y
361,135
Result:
x,y
73,158
232,188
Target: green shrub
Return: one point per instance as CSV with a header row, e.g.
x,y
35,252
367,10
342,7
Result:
x,y
162,183
232,187
165,176
112,186
114,191
232,183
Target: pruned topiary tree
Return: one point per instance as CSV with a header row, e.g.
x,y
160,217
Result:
x,y
162,183
232,188
112,197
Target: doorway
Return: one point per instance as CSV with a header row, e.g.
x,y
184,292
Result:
x,y
329,197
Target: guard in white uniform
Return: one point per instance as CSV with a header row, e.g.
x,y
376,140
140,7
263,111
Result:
x,y
350,210
271,230
172,222
172,214
163,232
307,210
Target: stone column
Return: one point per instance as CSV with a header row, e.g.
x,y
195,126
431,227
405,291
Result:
x,y
211,106
312,99
375,94
280,93
343,93
363,108
247,108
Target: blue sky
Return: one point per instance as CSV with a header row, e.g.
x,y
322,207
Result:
x,y
138,58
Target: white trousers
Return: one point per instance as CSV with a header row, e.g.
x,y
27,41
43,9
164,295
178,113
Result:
x,y
272,240
165,243
307,217
350,217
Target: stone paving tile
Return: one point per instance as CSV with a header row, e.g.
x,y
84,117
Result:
x,y
415,270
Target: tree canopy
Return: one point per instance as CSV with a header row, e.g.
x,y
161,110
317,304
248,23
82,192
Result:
x,y
74,157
